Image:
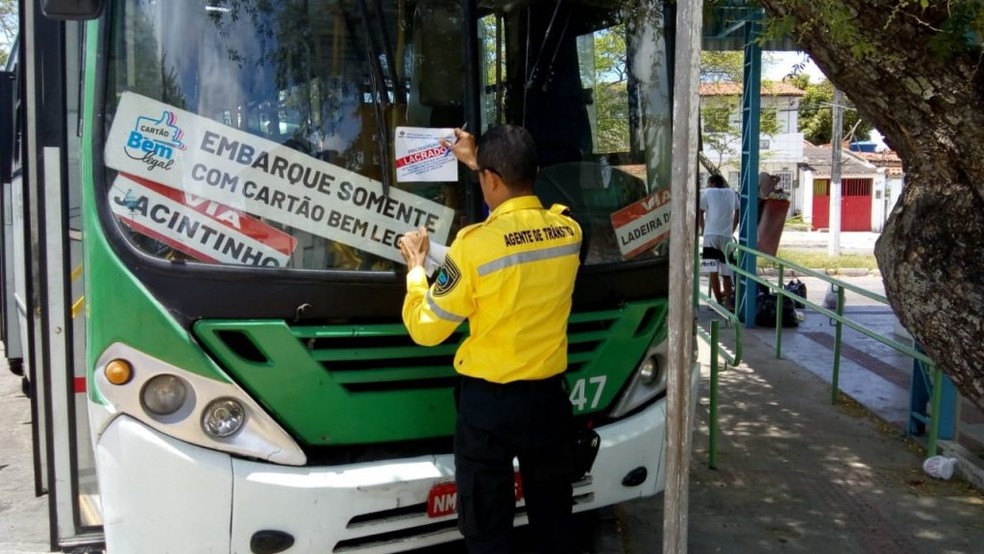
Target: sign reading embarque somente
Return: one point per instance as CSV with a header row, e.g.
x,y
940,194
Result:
x,y
212,161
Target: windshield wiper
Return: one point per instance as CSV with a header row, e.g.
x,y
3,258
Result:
x,y
533,73
377,83
387,49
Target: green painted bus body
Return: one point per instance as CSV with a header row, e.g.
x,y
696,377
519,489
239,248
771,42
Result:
x,y
327,385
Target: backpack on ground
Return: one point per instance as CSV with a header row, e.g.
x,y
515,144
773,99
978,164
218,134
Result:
x,y
798,288
765,311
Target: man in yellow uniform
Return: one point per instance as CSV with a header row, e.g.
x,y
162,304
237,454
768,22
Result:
x,y
511,277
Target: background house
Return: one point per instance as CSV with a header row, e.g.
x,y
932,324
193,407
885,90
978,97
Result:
x,y
885,196
812,196
871,183
780,143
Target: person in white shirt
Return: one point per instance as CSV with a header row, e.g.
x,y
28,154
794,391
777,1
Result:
x,y
717,219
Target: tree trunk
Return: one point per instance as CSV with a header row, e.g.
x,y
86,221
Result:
x,y
931,110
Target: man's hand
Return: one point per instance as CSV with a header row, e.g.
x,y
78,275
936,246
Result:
x,y
463,148
414,246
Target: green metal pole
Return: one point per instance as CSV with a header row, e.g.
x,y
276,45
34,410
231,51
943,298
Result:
x,y
837,345
713,424
934,420
751,110
696,299
779,300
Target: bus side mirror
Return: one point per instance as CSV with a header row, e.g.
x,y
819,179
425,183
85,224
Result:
x,y
72,10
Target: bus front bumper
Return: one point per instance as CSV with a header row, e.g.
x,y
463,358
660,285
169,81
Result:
x,y
161,494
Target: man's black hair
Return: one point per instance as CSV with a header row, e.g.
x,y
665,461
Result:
x,y
509,151
715,181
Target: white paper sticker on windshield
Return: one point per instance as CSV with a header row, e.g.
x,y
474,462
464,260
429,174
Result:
x,y
210,160
420,156
643,224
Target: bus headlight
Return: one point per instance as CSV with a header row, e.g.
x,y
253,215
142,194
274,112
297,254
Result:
x,y
163,395
208,411
650,370
223,417
648,382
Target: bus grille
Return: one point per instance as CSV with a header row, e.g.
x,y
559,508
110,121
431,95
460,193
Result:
x,y
338,385
415,525
377,358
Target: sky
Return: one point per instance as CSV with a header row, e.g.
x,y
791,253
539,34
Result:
x,y
776,65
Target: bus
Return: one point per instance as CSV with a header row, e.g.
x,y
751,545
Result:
x,y
201,201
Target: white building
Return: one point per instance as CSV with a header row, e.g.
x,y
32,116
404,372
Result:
x,y
779,153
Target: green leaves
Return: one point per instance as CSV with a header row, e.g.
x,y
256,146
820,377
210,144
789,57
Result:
x,y
816,116
960,29
722,66
8,27
955,27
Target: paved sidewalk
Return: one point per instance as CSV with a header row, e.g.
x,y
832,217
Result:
x,y
874,374
23,517
796,474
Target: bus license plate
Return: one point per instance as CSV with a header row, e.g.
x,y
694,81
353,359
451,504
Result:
x,y
443,497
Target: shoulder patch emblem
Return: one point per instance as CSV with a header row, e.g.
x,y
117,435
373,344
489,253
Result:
x,y
561,209
447,277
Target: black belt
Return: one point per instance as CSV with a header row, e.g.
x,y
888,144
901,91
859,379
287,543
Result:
x,y
520,385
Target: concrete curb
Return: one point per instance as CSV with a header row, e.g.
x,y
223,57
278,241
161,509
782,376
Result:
x,y
833,272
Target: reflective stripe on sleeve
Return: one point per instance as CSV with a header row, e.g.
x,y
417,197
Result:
x,y
531,256
440,312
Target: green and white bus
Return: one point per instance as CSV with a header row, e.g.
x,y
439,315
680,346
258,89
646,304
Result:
x,y
201,204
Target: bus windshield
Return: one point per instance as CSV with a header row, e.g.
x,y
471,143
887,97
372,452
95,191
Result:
x,y
285,117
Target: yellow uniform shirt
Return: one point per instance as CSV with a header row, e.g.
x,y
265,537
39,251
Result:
x,y
511,277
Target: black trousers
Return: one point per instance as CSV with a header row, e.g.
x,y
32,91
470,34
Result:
x,y
528,420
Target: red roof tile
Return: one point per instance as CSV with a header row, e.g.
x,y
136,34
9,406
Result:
x,y
728,88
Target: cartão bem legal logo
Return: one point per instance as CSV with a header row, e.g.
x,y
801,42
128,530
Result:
x,y
153,141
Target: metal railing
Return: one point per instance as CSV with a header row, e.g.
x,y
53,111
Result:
x,y
836,315
712,338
